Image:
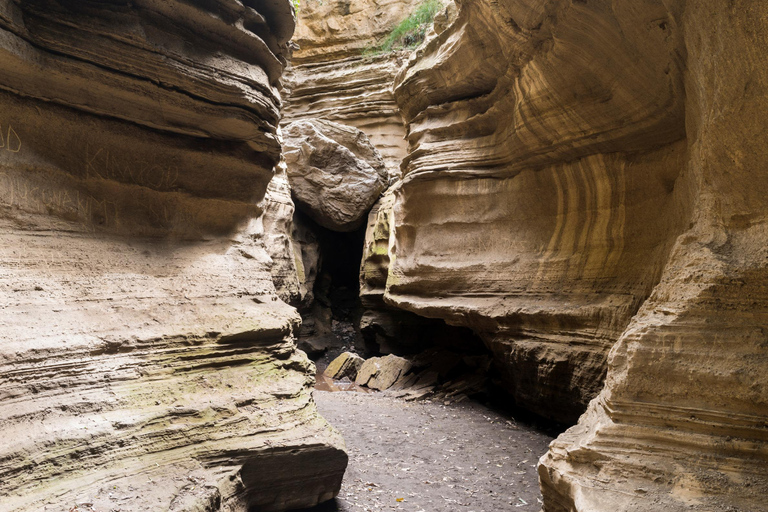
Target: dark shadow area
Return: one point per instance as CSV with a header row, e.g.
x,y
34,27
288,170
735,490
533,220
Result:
x,y
329,506
498,400
330,319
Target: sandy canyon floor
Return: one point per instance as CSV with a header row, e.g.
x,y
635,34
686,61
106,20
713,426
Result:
x,y
432,457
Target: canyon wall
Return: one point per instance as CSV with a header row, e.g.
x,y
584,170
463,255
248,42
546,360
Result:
x,y
146,362
539,200
681,423
335,75
584,188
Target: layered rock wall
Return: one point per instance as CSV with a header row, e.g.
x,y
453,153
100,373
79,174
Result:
x,y
586,178
333,77
146,362
539,200
681,423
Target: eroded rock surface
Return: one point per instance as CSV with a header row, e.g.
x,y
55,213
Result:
x,y
538,204
288,268
331,78
146,362
681,423
335,173
587,178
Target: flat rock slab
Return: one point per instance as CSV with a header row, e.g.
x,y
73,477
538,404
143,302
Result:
x,y
346,365
382,372
433,457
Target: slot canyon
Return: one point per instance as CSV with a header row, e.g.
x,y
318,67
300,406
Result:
x,y
361,255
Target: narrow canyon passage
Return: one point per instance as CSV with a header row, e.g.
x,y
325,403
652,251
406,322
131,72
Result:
x,y
374,255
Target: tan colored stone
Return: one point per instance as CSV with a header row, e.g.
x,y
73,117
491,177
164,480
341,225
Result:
x,y
382,372
331,78
333,30
278,208
335,173
355,91
146,360
584,189
511,220
346,365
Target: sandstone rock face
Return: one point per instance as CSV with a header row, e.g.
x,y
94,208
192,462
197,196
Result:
x,y
331,79
145,360
586,178
356,91
683,413
336,29
287,271
539,200
386,329
336,175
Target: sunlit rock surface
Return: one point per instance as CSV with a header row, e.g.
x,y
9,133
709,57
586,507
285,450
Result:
x,y
145,360
585,189
333,77
539,200
681,423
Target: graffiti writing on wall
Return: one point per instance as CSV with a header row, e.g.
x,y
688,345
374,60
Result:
x,y
101,163
41,198
9,140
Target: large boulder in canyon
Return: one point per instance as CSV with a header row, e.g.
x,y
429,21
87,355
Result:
x,y
336,174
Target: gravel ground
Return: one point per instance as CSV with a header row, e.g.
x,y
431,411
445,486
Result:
x,y
430,457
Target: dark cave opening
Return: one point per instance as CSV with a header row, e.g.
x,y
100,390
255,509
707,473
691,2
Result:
x,y
331,315
336,320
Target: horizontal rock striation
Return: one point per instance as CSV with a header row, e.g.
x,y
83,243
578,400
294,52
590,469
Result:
x,y
681,423
356,91
539,200
584,189
145,360
332,76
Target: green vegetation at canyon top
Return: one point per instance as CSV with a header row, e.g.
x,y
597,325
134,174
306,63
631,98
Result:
x,y
410,32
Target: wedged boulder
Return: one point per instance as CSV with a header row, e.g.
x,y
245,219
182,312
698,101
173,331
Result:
x,y
382,372
346,365
336,174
